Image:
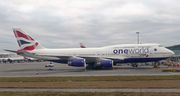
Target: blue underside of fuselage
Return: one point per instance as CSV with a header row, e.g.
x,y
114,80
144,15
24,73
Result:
x,y
141,60
127,60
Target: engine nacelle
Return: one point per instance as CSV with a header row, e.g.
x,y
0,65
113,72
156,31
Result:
x,y
80,62
105,63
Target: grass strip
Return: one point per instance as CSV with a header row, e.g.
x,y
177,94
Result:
x,y
104,82
88,78
86,94
95,84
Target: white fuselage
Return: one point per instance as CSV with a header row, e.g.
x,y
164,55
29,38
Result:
x,y
117,51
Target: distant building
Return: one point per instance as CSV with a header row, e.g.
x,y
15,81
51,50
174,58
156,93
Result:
x,y
176,50
5,57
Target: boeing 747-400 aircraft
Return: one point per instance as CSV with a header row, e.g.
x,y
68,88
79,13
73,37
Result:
x,y
103,57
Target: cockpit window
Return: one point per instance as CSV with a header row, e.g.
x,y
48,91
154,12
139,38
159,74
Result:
x,y
155,49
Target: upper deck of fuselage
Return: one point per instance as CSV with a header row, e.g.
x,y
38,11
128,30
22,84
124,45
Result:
x,y
101,48
134,45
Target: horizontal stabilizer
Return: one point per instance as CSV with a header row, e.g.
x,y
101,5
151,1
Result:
x,y
18,52
22,53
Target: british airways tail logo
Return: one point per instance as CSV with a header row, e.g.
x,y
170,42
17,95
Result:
x,y
26,42
131,51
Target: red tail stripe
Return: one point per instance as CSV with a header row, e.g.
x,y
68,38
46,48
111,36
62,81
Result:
x,y
83,46
37,44
29,48
19,34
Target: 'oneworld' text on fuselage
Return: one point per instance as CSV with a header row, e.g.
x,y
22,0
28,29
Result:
x,y
131,51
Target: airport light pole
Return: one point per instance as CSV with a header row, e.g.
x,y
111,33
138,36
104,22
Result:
x,y
137,37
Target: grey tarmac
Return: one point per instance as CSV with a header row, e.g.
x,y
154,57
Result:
x,y
38,69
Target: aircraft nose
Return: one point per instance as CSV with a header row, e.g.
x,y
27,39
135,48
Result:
x,y
171,52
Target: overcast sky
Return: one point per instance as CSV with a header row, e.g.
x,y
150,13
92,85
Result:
x,y
66,23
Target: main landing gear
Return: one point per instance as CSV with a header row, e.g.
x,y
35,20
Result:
x,y
135,65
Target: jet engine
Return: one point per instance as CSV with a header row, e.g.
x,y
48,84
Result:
x,y
104,63
77,62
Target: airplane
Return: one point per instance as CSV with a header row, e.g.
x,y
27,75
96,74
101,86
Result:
x,y
132,64
82,46
102,57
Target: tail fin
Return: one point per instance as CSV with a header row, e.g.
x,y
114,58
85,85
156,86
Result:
x,y
25,42
82,46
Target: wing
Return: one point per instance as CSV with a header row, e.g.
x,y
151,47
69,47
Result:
x,y
87,58
64,57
